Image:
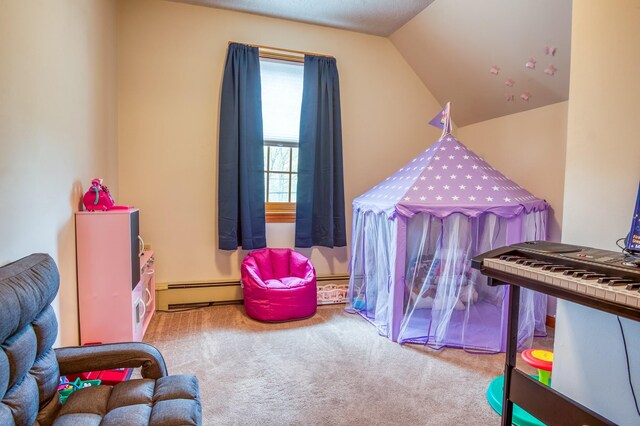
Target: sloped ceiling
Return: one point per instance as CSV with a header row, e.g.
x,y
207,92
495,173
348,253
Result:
x,y
453,44
377,17
465,51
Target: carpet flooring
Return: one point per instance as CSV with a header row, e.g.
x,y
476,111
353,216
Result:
x,y
331,369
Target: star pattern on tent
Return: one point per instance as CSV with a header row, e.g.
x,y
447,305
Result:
x,y
419,181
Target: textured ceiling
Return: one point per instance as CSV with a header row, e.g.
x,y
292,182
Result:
x,y
453,44
378,17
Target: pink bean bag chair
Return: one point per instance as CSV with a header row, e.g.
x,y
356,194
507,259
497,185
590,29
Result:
x,y
279,285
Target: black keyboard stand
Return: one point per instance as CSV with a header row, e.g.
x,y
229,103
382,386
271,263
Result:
x,y
548,405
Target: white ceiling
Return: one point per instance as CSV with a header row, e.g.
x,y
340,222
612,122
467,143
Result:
x,y
377,17
453,44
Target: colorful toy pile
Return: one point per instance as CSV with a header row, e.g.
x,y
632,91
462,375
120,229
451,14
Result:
x,y
66,388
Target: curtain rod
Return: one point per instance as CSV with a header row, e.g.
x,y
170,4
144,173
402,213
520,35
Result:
x,y
280,49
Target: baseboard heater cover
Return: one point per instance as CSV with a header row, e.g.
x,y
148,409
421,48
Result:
x,y
194,294
180,306
231,283
176,286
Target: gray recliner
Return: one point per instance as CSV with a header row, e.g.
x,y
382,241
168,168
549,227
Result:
x,y
30,368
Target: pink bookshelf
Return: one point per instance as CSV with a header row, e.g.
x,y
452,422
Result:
x,y
116,284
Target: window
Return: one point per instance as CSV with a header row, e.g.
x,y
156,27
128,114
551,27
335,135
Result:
x,y
281,100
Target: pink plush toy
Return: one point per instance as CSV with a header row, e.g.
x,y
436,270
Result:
x,y
98,198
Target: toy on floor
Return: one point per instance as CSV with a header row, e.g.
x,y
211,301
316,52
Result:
x,y
431,273
542,360
538,358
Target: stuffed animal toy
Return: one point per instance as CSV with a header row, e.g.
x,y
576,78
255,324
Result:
x,y
427,273
439,303
421,278
98,198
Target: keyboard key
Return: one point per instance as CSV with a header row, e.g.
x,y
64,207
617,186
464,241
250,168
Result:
x,y
605,280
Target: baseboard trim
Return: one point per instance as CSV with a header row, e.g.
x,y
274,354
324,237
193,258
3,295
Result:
x,y
183,294
551,321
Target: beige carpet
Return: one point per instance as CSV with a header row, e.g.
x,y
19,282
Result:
x,y
332,369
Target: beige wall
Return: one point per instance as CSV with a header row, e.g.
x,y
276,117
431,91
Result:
x,y
170,63
57,129
601,183
603,142
529,148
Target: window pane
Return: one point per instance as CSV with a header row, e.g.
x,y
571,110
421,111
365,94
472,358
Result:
x,y
265,188
294,187
279,160
278,187
294,160
281,99
266,157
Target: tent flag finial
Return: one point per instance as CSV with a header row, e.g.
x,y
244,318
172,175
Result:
x,y
443,119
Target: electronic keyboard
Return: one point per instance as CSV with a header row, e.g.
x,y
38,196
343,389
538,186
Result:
x,y
600,279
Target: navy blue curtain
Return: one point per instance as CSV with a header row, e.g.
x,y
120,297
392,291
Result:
x,y
241,218
320,219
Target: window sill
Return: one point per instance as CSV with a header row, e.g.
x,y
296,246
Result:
x,y
280,212
272,217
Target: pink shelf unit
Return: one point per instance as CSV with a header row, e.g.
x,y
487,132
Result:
x,y
116,284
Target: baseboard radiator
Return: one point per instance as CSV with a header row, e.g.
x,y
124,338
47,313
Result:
x,y
191,294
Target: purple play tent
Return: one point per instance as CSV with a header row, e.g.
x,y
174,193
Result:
x,y
413,237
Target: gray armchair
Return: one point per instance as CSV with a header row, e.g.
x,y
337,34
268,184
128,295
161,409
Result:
x,y
30,368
